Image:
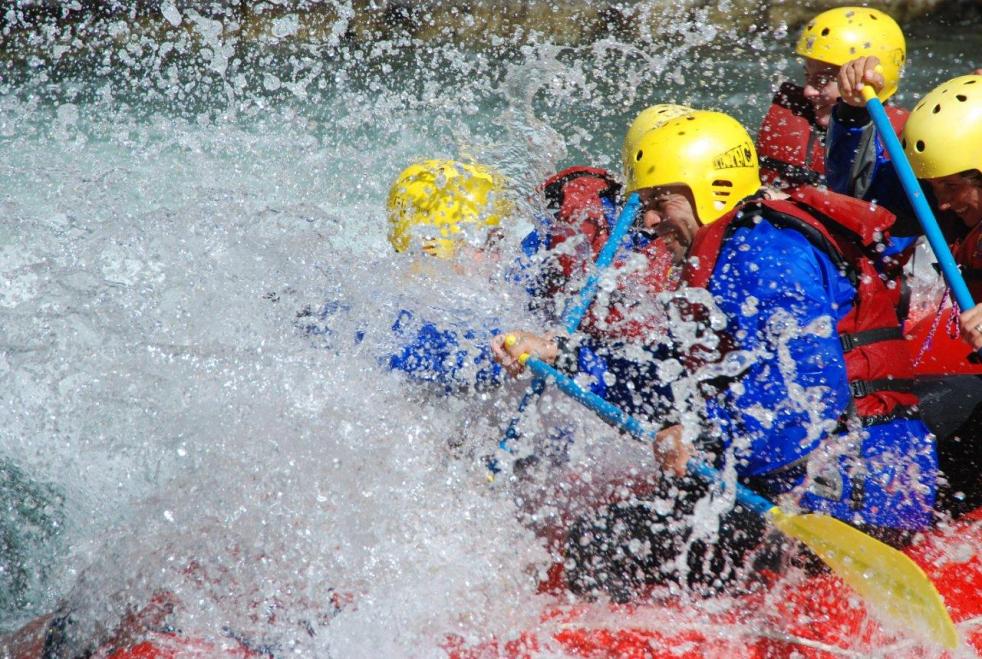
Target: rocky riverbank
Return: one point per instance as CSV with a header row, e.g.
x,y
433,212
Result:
x,y
38,27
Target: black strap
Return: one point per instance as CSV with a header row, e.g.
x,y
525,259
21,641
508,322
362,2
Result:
x,y
899,412
556,190
792,173
863,388
866,337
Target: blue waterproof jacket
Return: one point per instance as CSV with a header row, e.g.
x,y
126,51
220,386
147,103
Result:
x,y
859,169
782,298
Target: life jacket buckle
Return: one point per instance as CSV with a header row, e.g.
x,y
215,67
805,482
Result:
x,y
860,388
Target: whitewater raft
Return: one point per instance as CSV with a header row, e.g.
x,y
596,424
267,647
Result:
x,y
815,617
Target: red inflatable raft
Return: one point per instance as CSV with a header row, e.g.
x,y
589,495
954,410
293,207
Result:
x,y
815,618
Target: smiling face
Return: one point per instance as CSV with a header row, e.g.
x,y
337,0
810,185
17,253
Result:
x,y
821,89
960,193
669,213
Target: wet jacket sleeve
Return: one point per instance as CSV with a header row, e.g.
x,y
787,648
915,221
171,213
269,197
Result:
x,y
856,164
453,357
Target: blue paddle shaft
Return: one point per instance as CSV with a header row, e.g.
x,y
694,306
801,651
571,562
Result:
x,y
575,314
621,419
922,209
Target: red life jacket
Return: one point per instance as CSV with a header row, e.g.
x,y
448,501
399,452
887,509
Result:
x,y
935,338
576,196
791,147
968,253
878,362
583,201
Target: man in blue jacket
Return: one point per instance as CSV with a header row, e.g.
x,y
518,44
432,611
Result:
x,y
799,373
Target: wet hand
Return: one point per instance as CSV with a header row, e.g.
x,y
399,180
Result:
x,y
507,348
854,75
671,451
971,325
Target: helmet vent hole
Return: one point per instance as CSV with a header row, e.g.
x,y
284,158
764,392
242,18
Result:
x,y
903,143
937,108
919,146
639,156
961,97
722,183
681,132
825,32
873,16
971,82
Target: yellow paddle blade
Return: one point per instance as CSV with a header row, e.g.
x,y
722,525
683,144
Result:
x,y
885,578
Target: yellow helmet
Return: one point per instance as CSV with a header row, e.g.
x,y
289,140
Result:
x,y
433,200
710,152
651,117
943,134
842,34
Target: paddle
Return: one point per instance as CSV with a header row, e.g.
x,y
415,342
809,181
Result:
x,y
574,315
916,196
885,578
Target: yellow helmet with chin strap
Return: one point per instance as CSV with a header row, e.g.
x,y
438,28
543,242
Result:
x,y
842,34
943,134
439,202
649,118
709,152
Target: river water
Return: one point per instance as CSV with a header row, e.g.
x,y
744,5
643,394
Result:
x,y
174,205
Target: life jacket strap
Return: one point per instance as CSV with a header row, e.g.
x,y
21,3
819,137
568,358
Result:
x,y
863,388
798,174
866,337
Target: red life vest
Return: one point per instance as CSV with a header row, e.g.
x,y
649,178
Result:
x,y
791,147
968,253
878,362
576,196
583,201
935,338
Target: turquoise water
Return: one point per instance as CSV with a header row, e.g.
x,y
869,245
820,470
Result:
x,y
169,203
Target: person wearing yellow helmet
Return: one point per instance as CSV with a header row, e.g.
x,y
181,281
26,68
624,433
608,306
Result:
x,y
811,332
583,204
437,206
943,142
792,135
447,214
